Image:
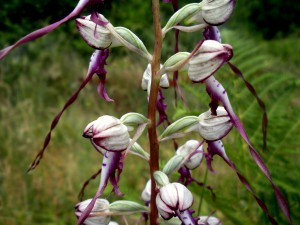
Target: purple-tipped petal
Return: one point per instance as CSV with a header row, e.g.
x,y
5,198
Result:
x,y
86,183
212,33
94,67
45,30
218,94
260,102
217,148
110,164
101,89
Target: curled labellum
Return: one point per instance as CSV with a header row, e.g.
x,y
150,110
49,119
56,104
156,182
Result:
x,y
214,127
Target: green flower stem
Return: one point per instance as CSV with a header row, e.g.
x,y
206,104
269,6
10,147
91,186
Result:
x,y
154,147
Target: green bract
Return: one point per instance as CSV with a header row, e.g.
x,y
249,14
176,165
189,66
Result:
x,y
173,164
176,62
127,207
161,178
180,127
184,13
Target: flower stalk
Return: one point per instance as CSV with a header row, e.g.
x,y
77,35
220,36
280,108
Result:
x,y
153,140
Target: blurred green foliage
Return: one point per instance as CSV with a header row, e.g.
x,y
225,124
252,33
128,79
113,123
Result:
x,y
37,78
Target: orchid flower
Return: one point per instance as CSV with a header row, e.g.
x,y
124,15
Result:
x,y
173,199
109,133
82,4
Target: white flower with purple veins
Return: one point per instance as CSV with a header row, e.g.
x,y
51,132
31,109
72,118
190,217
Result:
x,y
111,134
208,59
99,33
194,150
174,199
214,12
215,127
101,205
108,132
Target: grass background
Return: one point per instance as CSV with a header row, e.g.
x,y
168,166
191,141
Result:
x,y
37,79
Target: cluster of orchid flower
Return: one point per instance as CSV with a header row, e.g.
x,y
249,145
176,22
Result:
x,y
111,138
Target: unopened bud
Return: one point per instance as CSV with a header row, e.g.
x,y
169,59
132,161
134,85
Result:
x,y
173,197
106,35
217,12
214,12
109,133
101,205
189,149
209,58
214,127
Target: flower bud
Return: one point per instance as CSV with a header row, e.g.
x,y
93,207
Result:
x,y
146,194
109,133
96,36
164,81
214,127
208,220
213,12
188,149
106,35
217,12
173,197
209,58
101,205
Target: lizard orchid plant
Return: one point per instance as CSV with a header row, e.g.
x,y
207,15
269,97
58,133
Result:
x,y
111,137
